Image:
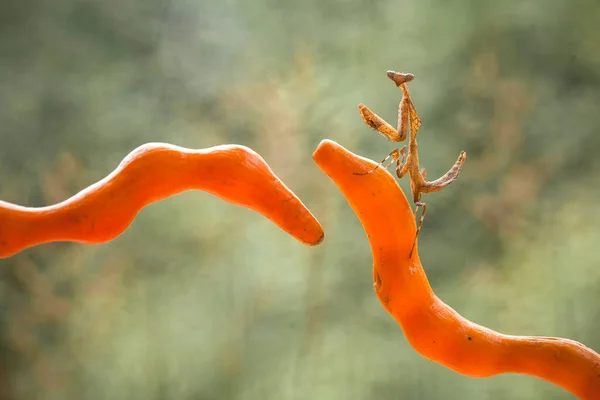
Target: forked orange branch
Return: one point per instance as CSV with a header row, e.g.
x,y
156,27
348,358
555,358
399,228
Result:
x,y
433,328
151,173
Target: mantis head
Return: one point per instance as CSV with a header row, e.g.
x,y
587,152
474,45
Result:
x,y
400,78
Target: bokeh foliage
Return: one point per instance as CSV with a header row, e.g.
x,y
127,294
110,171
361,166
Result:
x,y
199,299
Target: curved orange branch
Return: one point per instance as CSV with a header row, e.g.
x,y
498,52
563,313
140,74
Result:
x,y
151,173
434,329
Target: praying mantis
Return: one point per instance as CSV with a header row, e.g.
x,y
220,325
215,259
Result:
x,y
407,157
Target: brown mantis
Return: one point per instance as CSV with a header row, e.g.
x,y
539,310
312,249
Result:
x,y
407,158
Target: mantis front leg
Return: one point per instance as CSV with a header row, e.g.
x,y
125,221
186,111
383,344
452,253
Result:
x,y
382,127
406,113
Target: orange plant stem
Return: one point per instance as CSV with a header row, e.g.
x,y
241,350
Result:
x,y
435,330
151,173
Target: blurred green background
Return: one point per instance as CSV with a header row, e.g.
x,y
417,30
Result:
x,y
200,299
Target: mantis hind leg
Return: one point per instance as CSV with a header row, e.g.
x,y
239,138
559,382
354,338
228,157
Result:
x,y
424,206
447,178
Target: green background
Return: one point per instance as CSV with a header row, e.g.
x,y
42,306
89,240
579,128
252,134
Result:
x,y
200,299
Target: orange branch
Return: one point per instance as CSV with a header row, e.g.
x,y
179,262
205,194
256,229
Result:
x,y
435,330
151,173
